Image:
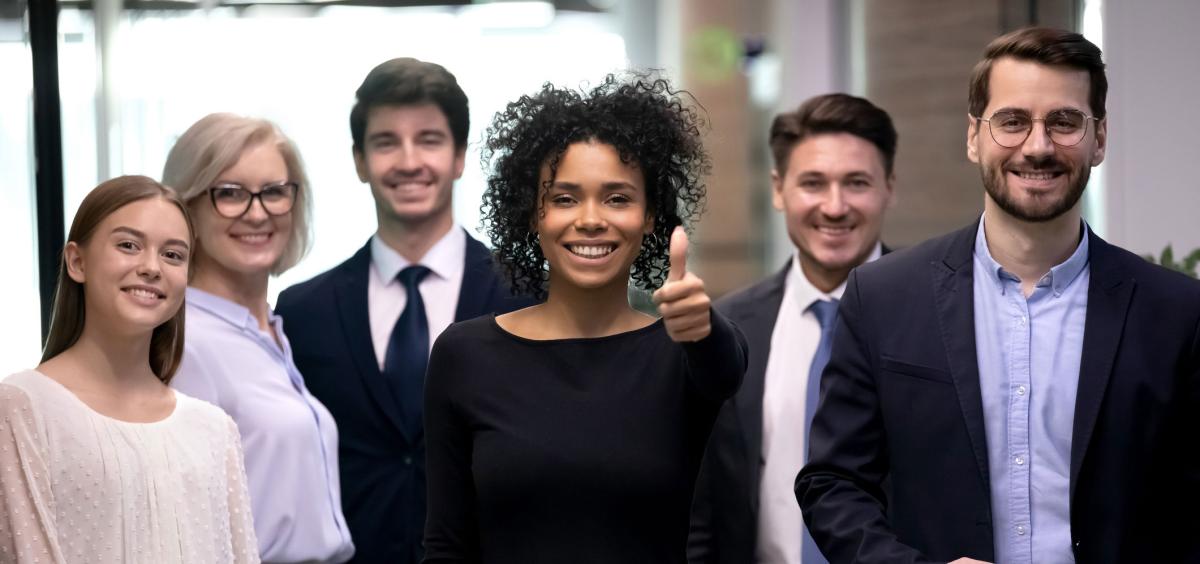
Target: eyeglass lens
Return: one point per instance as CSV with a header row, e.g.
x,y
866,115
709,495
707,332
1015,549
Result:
x,y
232,201
1065,127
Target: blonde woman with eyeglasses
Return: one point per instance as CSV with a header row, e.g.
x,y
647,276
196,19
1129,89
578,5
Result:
x,y
244,184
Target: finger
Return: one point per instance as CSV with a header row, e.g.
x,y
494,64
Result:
x,y
679,249
680,289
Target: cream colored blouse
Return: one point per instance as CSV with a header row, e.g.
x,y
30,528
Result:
x,y
77,486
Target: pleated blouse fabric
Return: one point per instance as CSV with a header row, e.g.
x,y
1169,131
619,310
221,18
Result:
x,y
77,486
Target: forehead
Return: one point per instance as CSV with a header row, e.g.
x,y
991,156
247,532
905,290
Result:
x,y
588,162
1038,88
835,154
158,218
408,118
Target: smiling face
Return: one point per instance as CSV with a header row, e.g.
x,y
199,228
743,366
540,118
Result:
x,y
833,194
592,218
134,267
250,245
411,162
1036,181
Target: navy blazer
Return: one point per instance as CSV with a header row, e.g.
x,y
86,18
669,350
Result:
x,y
382,461
900,399
724,524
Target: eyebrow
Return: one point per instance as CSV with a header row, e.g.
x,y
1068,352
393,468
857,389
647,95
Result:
x,y
1027,112
140,235
609,186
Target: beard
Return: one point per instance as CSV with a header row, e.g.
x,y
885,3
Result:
x,y
995,182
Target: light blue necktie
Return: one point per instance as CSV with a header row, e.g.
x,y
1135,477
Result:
x,y
826,313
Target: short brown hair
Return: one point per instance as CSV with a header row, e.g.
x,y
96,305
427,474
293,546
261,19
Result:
x,y
833,113
215,143
406,82
67,319
1045,46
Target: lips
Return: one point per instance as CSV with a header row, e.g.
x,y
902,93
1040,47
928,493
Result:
x,y
834,230
252,238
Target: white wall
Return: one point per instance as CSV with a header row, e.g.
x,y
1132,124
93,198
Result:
x,y
1152,193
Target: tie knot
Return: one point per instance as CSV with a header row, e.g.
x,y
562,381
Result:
x,y
825,310
412,275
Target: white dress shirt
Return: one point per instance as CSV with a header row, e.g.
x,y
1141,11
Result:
x,y
386,296
793,344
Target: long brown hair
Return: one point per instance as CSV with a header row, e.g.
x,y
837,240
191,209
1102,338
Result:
x,y
67,319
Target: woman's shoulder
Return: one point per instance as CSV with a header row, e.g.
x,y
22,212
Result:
x,y
30,388
199,414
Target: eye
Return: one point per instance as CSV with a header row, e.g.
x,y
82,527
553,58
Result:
x,y
619,199
1010,122
431,140
274,193
230,194
811,184
562,200
175,256
860,183
127,245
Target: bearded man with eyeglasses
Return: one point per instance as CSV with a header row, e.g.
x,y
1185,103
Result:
x,y
1020,390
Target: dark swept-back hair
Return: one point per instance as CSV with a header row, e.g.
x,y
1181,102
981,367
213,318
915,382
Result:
x,y
68,317
650,125
405,82
833,113
1046,46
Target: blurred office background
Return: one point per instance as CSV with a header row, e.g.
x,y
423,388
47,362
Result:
x,y
133,74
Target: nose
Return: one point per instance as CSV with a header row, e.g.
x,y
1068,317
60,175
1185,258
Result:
x,y
834,204
589,218
148,267
257,212
1038,144
406,159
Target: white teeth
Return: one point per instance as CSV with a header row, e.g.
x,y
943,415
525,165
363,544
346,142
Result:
x,y
591,251
253,238
1037,175
833,230
142,293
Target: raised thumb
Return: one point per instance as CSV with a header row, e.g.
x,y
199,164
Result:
x,y
679,249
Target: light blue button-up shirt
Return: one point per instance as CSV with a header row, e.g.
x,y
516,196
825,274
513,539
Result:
x,y
289,438
1029,351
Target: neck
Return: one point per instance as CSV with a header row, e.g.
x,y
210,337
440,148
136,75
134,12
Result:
x,y
572,311
1030,249
246,290
413,239
823,279
111,359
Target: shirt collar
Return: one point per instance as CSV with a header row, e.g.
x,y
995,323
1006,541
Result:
x,y
233,313
806,293
1058,279
444,259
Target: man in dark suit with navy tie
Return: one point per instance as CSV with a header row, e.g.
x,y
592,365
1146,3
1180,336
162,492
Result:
x,y
1018,391
361,332
833,181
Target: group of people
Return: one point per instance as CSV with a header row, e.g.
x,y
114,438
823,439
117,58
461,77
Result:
x,y
1017,391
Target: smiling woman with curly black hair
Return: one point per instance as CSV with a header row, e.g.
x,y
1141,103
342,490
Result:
x,y
572,430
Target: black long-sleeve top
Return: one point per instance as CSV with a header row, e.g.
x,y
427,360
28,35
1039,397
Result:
x,y
569,450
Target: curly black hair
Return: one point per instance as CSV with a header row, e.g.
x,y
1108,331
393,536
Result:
x,y
642,117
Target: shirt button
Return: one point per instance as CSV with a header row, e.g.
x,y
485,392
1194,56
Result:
x,y
1022,321
1020,529
1019,460
1020,390
408,461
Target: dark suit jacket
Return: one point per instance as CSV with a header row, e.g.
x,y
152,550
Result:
x,y
901,398
382,462
724,526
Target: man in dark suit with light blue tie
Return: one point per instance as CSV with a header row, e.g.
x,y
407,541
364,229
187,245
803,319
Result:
x,y
1018,391
833,182
361,332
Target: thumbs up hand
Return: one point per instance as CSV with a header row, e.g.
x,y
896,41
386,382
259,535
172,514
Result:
x,y
682,302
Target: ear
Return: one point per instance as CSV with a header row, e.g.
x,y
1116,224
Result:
x,y
890,186
1101,141
649,227
972,139
460,162
73,259
776,190
360,164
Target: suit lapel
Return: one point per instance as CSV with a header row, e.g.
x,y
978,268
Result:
x,y
954,294
757,322
478,283
1109,294
356,326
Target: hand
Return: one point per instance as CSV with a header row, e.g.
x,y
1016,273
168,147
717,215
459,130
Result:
x,y
965,560
682,302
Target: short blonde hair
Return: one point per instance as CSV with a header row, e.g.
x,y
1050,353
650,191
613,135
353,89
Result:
x,y
215,143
